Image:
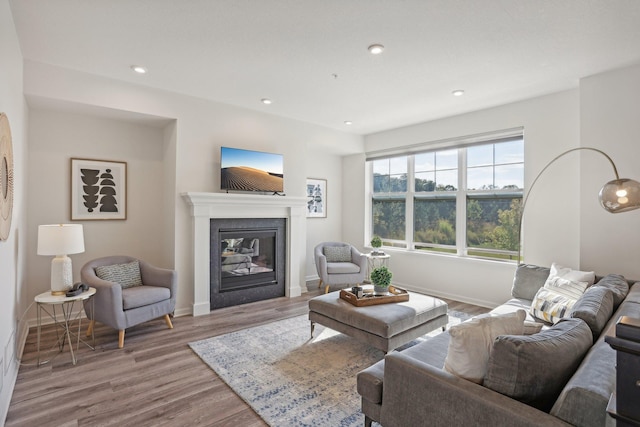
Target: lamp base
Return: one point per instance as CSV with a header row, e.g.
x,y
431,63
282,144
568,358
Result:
x,y
61,275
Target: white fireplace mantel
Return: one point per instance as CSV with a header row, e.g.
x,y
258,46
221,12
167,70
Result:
x,y
205,206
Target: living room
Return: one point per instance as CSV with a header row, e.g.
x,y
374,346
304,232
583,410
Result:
x,y
171,141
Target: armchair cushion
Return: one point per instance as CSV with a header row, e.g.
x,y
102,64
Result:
x,y
126,275
342,268
139,296
337,253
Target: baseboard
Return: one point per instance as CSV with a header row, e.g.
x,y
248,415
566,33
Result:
x,y
456,297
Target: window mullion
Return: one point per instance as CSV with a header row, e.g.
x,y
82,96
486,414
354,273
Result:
x,y
411,188
461,204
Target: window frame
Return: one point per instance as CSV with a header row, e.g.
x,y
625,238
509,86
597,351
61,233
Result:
x,y
461,197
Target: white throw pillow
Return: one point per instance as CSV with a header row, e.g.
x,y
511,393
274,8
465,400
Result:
x,y
471,342
566,287
573,275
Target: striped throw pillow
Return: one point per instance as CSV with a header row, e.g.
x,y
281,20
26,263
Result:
x,y
551,306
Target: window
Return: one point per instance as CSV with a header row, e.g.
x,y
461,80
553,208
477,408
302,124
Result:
x,y
463,201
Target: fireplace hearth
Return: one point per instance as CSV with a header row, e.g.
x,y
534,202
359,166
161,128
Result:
x,y
247,260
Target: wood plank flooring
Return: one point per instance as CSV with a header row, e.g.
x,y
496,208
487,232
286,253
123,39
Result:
x,y
155,380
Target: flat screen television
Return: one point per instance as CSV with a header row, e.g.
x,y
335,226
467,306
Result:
x,y
247,170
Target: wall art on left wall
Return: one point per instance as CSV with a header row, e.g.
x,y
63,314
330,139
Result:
x,y
98,189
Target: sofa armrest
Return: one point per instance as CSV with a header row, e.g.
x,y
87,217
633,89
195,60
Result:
x,y
416,393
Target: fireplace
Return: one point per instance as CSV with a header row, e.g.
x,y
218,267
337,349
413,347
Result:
x,y
207,206
247,260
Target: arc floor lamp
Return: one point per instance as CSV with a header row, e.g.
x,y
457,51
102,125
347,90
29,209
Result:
x,y
618,195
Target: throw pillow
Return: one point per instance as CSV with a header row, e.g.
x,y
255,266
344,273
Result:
x,y
550,305
573,275
595,308
527,280
471,342
534,368
126,275
337,253
569,288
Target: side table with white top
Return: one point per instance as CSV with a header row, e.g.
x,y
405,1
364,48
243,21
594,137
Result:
x,y
48,303
375,260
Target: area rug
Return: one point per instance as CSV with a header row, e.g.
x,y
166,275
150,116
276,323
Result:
x,y
291,379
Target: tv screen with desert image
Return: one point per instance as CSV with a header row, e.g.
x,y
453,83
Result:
x,y
247,170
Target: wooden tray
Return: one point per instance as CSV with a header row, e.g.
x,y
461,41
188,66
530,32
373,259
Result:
x,y
395,295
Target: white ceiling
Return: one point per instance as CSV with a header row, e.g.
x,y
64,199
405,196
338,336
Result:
x,y
239,51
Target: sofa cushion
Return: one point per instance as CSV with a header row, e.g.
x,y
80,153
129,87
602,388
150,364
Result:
x,y
527,280
126,275
337,253
618,286
471,342
534,368
139,296
584,399
595,308
342,268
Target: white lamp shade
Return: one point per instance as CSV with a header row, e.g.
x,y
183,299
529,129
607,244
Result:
x,y
60,239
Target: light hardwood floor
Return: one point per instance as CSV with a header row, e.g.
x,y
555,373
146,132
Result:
x,y
155,380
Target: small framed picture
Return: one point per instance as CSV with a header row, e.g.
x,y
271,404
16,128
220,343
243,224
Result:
x,y
316,198
98,189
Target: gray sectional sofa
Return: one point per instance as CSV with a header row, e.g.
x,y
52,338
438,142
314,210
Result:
x,y
562,375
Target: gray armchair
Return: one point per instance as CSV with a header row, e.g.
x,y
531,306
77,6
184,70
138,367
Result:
x,y
121,307
338,265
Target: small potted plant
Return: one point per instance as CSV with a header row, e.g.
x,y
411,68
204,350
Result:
x,y
381,279
376,242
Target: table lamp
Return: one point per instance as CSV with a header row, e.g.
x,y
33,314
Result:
x,y
60,240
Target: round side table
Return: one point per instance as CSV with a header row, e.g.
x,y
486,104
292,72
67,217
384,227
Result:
x,y
47,303
374,261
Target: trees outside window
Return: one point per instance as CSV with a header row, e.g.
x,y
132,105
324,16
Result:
x,y
465,200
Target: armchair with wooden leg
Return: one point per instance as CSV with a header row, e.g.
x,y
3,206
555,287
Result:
x,y
339,263
129,292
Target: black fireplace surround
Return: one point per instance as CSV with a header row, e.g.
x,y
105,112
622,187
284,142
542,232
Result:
x,y
247,260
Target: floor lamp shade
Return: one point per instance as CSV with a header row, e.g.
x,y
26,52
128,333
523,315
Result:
x,y
60,240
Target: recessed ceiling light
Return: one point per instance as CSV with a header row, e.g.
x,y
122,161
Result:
x,y
265,101
139,69
348,122
458,92
376,49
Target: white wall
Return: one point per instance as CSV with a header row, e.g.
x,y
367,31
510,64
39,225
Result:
x,y
13,285
609,104
55,138
551,226
201,128
324,165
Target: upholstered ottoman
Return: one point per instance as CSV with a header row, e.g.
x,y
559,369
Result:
x,y
384,326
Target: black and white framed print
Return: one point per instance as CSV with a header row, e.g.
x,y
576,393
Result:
x,y
98,189
316,198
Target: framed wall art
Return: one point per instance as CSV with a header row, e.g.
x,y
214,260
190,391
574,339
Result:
x,y
98,189
6,177
316,198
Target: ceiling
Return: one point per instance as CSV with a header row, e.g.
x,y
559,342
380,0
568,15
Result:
x,y
310,57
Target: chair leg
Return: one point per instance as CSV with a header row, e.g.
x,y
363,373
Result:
x,y
326,289
90,328
320,283
167,320
121,338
